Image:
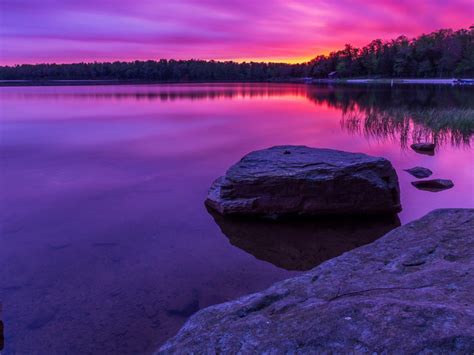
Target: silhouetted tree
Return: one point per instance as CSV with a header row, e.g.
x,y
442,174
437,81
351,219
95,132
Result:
x,y
444,53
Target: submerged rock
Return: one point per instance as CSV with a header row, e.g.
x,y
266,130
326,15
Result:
x,y
303,243
408,292
424,148
419,172
434,185
297,180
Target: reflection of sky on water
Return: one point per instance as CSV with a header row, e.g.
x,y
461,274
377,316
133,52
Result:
x,y
106,243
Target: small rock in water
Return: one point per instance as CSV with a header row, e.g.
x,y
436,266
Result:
x,y
424,148
298,180
419,172
434,185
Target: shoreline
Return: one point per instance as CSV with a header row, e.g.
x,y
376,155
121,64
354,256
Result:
x,y
398,81
345,298
362,81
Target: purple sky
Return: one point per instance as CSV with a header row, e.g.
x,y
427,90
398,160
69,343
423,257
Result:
x,y
36,31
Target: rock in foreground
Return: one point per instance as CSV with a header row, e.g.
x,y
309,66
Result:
x,y
434,185
287,180
408,292
419,172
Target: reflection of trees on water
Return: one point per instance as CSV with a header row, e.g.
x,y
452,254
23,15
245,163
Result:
x,y
409,113
453,126
164,93
442,114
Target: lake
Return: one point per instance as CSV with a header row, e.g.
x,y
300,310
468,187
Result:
x,y
106,245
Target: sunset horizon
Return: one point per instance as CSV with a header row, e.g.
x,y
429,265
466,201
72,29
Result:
x,y
281,32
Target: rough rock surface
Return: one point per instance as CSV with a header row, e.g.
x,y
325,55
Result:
x,y
434,185
408,292
301,244
419,172
306,181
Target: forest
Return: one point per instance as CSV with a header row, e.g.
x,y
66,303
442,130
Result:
x,y
444,53
440,54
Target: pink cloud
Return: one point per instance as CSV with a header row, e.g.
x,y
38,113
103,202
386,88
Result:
x,y
33,31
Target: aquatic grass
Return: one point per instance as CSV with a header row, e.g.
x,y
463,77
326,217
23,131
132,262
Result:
x,y
453,125
459,123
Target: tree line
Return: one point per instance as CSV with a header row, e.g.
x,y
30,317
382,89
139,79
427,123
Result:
x,y
444,53
161,70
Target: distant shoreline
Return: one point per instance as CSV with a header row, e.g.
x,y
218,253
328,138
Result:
x,y
5,83
399,81
359,81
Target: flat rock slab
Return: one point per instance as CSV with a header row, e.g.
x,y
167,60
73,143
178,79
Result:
x,y
298,180
434,185
408,292
419,172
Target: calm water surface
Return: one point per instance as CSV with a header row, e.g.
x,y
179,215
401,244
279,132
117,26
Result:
x,y
105,244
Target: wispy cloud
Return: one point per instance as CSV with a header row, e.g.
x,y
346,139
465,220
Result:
x,y
33,31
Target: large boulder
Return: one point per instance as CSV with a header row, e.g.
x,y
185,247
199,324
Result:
x,y
286,180
408,292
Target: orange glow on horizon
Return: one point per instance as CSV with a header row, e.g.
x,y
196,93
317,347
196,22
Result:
x,y
289,60
277,31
